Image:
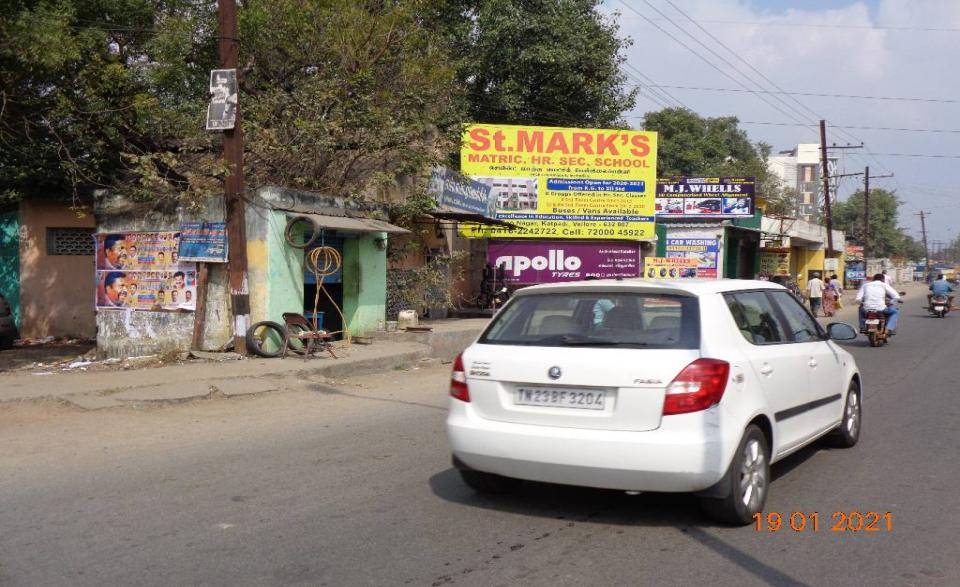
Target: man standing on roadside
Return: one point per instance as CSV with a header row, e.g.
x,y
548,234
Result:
x,y
815,293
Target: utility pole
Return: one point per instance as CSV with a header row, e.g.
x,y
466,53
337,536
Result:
x,y
926,250
866,212
866,208
234,203
826,186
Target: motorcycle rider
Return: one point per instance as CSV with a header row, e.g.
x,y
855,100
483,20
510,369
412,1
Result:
x,y
941,287
873,298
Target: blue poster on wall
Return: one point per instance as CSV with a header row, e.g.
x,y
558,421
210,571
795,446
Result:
x,y
203,241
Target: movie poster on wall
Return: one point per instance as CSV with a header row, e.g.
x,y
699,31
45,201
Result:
x,y
142,271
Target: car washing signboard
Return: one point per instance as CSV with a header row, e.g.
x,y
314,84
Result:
x,y
564,183
706,252
143,271
714,197
530,262
669,267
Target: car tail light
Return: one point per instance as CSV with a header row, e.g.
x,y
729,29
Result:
x,y
458,380
700,385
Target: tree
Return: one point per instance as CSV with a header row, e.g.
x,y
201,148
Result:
x,y
337,95
689,144
886,238
541,62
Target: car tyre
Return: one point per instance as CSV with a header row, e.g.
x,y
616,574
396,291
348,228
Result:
x,y
748,480
848,433
489,482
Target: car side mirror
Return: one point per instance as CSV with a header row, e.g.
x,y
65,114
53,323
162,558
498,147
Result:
x,y
841,331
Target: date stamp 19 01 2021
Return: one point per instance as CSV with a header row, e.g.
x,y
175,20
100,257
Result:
x,y
810,522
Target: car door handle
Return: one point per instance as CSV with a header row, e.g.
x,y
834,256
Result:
x,y
812,363
766,370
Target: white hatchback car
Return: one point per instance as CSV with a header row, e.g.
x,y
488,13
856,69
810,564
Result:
x,y
684,386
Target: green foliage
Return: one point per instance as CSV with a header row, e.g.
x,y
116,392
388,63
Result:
x,y
886,238
548,62
423,287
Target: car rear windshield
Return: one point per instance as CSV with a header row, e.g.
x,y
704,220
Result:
x,y
600,319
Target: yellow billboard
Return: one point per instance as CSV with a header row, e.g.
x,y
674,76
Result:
x,y
564,183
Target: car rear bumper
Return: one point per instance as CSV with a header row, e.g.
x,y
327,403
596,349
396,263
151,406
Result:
x,y
685,454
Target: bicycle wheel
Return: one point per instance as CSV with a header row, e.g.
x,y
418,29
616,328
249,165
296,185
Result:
x,y
266,339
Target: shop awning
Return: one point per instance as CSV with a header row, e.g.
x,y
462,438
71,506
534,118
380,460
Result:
x,y
347,224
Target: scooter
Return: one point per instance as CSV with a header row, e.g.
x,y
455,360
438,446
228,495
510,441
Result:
x,y
939,306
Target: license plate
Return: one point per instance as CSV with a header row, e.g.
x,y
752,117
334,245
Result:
x,y
874,321
938,308
580,399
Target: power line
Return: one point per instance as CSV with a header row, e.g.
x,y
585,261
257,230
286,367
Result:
x,y
924,155
704,59
830,26
648,80
816,94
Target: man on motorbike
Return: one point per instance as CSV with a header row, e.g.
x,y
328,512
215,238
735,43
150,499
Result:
x,y
873,298
941,287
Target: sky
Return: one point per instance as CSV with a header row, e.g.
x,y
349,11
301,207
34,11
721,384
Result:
x,y
875,48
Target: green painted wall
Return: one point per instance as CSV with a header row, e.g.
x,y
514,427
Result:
x,y
10,261
284,270
364,283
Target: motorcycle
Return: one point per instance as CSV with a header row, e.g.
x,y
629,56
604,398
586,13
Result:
x,y
876,323
939,306
876,328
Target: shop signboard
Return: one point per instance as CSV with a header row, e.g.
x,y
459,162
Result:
x,y
669,267
706,251
564,183
455,192
853,253
530,262
203,241
856,271
775,261
706,197
143,271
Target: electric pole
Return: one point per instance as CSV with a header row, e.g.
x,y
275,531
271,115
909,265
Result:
x,y
234,204
926,250
866,208
826,186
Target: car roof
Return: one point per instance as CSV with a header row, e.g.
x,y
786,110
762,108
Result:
x,y
696,287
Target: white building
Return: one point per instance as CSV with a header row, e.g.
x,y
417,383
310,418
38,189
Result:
x,y
799,169
512,193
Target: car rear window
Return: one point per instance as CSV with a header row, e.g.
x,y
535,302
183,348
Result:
x,y
600,319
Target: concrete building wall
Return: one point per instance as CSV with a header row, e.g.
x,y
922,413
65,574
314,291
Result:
x,y
364,282
56,290
130,333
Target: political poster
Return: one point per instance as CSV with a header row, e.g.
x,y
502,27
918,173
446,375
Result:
x,y
143,271
222,110
706,252
203,241
531,262
564,183
699,197
670,267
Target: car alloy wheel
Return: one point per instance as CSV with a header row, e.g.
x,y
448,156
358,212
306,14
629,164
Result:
x,y
753,475
851,417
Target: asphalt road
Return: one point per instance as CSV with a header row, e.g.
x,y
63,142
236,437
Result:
x,y
351,485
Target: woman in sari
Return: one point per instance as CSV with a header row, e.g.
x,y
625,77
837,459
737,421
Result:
x,y
830,297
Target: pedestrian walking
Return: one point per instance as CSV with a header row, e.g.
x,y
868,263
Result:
x,y
815,289
830,298
837,286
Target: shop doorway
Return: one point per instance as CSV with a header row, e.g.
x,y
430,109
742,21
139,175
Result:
x,y
328,317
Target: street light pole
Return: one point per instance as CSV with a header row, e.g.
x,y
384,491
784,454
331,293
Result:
x,y
234,204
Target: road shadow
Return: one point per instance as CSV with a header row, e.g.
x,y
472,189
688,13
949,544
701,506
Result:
x,y
575,505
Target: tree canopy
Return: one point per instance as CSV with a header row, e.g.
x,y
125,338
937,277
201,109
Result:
x,y
886,238
341,96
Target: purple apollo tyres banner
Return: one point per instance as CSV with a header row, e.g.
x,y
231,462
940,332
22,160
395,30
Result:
x,y
530,262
